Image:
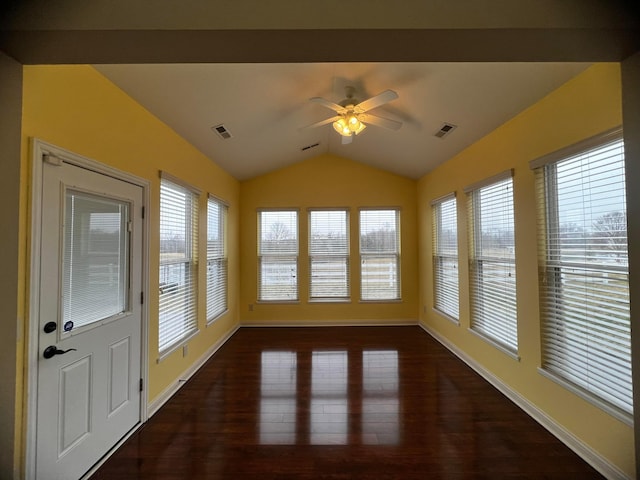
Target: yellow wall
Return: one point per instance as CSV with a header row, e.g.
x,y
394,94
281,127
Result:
x,y
328,181
587,105
76,108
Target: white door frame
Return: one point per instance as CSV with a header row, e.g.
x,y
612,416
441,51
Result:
x,y
39,149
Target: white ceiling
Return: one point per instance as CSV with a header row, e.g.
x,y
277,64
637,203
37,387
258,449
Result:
x,y
264,105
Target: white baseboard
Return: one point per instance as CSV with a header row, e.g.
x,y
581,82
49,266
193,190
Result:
x,y
403,322
171,390
593,458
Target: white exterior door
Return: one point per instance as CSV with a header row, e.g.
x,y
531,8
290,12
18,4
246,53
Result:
x,y
90,320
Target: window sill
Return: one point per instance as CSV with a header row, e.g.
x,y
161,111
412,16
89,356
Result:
x,y
447,316
277,302
496,344
213,319
390,300
178,344
329,300
612,410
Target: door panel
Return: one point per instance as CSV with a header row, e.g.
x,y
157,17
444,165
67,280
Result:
x,y
119,374
88,392
74,403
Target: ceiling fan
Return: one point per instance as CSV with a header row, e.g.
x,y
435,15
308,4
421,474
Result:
x,y
352,115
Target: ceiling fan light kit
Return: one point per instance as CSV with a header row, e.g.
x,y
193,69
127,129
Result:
x,y
349,124
352,114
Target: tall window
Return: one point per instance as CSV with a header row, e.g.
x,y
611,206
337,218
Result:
x,y
445,256
178,262
492,261
278,255
380,254
584,270
329,254
216,258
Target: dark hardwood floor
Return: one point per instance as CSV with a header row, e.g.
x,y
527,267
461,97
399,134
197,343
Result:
x,y
340,403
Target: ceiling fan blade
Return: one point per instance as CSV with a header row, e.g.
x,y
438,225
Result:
x,y
321,123
326,103
347,140
381,121
376,101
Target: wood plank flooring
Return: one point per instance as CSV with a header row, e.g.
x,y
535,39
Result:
x,y
340,403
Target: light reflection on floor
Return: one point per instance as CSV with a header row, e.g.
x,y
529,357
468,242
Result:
x,y
278,398
380,405
345,398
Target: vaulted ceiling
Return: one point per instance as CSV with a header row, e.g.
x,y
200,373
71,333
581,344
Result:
x,y
264,106
252,66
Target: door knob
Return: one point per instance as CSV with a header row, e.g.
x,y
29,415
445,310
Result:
x,y
52,351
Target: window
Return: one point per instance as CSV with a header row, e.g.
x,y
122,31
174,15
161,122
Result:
x,y
178,262
329,254
380,254
278,255
584,284
445,256
492,261
216,258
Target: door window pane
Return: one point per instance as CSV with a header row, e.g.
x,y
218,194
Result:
x,y
96,258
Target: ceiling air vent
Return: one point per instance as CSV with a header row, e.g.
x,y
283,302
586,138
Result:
x,y
445,129
222,131
308,147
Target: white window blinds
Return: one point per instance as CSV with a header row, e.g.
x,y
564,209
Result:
x,y
329,254
96,258
492,261
380,254
584,270
278,255
178,263
445,256
217,265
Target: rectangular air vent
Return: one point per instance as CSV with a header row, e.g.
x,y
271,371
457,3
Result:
x,y
222,131
445,129
304,149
